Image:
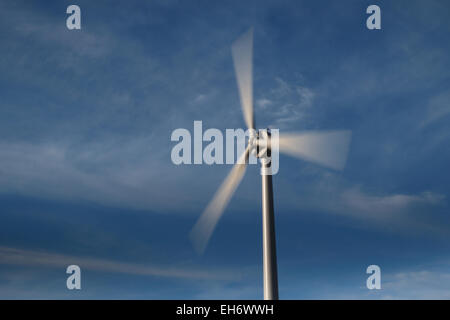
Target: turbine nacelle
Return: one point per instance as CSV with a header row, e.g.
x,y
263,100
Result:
x,y
260,143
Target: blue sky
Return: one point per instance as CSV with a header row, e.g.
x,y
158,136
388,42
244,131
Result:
x,y
85,170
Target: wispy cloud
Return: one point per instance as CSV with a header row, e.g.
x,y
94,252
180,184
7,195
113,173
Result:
x,y
332,193
285,104
411,284
437,109
87,116
263,103
14,256
112,172
418,284
354,200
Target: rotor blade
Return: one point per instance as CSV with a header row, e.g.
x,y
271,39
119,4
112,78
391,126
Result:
x,y
242,51
328,148
205,225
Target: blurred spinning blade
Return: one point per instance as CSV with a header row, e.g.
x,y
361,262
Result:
x,y
242,51
327,148
205,225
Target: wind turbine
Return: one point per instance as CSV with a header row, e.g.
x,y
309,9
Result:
x,y
327,148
